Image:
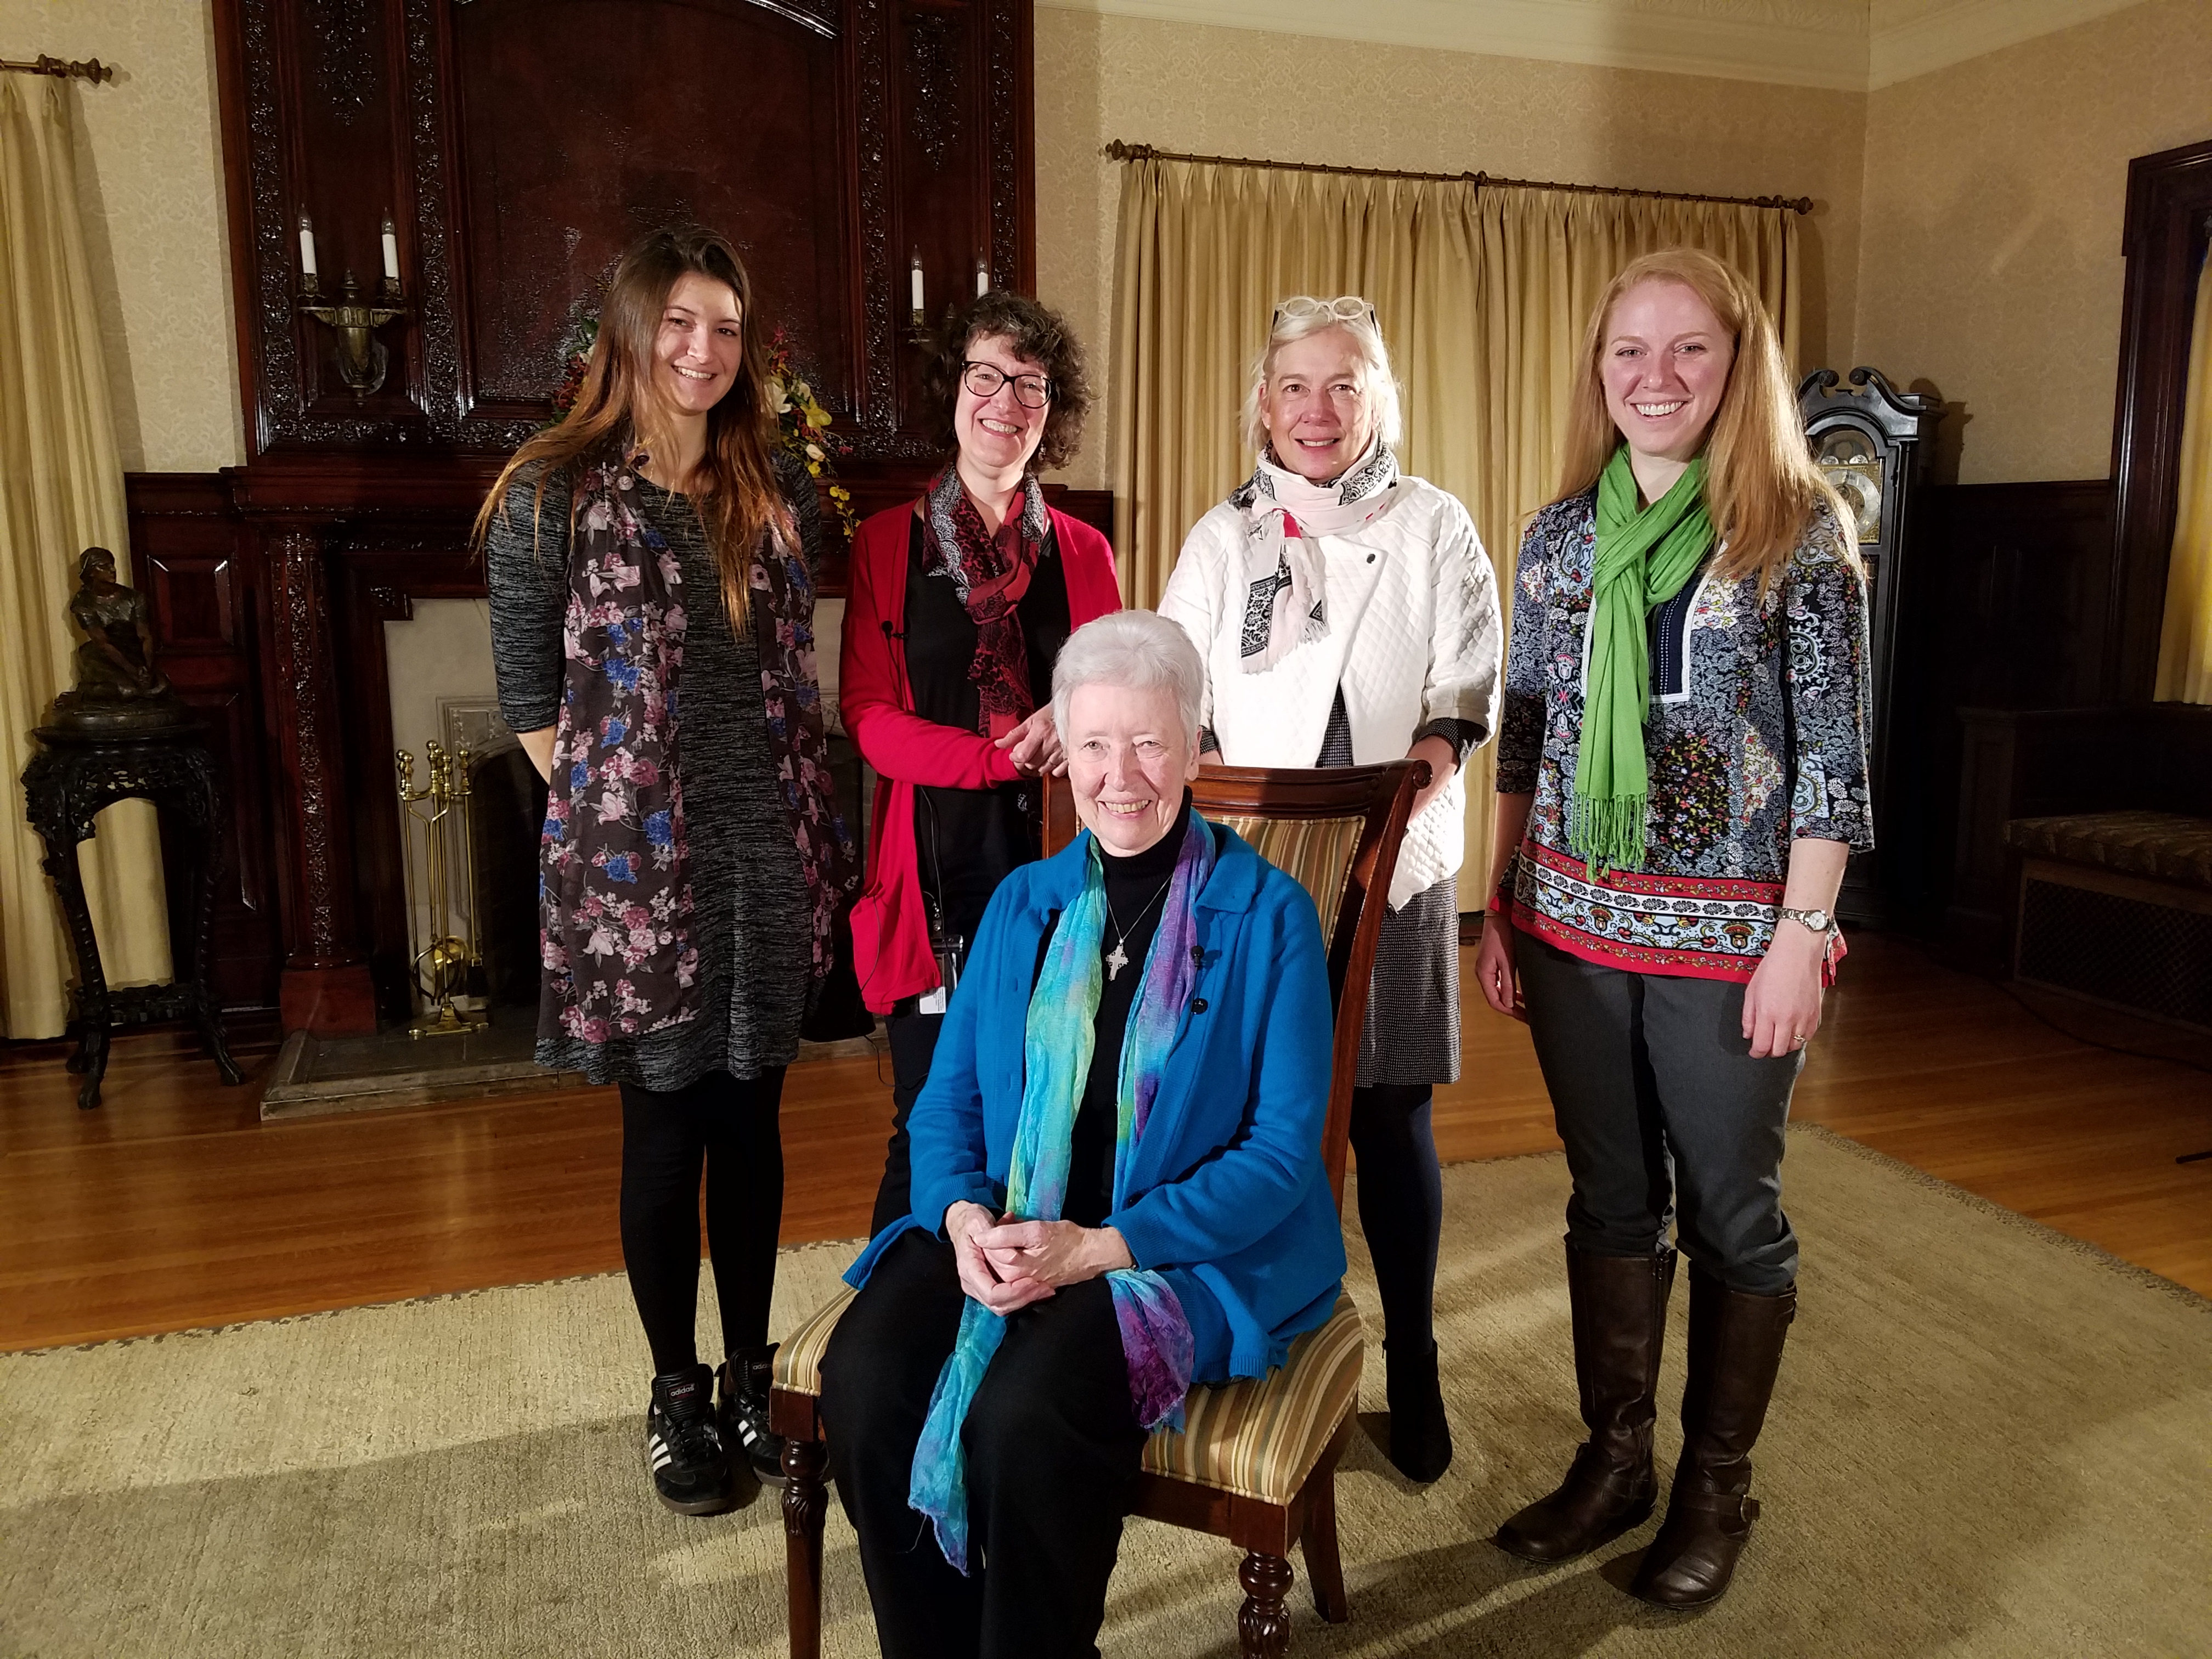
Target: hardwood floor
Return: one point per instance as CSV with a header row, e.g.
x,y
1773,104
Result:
x,y
173,1206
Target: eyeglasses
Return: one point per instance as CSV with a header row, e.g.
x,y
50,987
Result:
x,y
1345,308
984,380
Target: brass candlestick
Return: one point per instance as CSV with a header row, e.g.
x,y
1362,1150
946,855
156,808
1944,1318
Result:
x,y
362,359
441,811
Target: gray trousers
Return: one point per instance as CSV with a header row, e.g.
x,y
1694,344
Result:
x,y
1662,1108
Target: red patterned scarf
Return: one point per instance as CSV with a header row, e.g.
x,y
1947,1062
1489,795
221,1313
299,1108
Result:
x,y
991,574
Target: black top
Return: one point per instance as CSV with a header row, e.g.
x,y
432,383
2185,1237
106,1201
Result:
x,y
966,840
1136,897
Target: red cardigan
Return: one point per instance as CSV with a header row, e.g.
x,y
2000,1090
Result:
x,y
890,928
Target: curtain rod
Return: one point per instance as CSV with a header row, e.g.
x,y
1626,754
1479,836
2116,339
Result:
x,y
94,71
1119,151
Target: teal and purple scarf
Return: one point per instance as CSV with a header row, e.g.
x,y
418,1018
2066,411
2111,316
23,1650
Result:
x,y
1057,1047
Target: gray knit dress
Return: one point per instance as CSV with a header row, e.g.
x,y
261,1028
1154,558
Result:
x,y
748,889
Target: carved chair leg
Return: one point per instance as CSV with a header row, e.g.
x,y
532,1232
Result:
x,y
805,1502
1263,1623
1317,1543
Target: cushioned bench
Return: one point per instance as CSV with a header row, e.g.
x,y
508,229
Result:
x,y
2117,907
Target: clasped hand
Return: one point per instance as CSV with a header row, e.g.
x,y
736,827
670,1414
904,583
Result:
x,y
1006,1265
1035,745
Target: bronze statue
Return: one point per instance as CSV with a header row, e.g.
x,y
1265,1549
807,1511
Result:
x,y
118,689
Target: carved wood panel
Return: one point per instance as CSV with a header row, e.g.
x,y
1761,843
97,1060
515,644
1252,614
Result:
x,y
201,595
568,157
518,151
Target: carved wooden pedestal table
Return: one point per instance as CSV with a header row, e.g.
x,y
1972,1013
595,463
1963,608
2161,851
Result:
x,y
73,775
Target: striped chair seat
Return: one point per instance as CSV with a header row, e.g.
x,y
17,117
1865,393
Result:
x,y
1258,1437
799,1356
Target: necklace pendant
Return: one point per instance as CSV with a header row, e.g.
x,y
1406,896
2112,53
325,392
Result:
x,y
1116,960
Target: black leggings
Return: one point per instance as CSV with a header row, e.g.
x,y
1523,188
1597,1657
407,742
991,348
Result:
x,y
730,1127
1401,1206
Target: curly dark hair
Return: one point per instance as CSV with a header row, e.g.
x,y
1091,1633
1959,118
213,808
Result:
x,y
1036,332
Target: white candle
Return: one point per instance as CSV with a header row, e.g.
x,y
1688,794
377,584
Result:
x,y
391,251
308,248
982,279
916,284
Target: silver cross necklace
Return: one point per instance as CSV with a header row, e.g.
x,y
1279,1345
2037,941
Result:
x,y
1117,958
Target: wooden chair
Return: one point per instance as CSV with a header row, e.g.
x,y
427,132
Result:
x,y
1255,1461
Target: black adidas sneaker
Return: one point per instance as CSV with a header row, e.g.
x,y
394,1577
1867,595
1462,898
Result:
x,y
683,1445
746,1377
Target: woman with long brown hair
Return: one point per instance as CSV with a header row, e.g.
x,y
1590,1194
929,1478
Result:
x,y
1681,773
652,562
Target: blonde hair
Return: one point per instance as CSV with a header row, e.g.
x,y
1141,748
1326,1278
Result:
x,y
735,490
1301,315
1761,485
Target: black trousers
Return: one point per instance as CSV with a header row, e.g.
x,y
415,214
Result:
x,y
914,1045
1052,1445
730,1129
1661,1105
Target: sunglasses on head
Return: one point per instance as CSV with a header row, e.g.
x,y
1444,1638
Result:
x,y
1345,308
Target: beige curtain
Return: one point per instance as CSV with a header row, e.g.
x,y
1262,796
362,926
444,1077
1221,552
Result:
x,y
61,491
1483,294
2185,656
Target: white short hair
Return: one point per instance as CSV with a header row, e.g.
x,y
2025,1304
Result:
x,y
1135,650
1301,315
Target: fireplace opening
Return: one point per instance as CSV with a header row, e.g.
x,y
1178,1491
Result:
x,y
506,812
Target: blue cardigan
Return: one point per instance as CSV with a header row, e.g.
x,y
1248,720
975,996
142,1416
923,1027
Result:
x,y
1231,1201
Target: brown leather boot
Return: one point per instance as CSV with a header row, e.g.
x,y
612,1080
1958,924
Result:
x,y
1735,1348
1619,1306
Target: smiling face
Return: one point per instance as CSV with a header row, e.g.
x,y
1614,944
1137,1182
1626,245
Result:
x,y
1128,758
1318,420
1665,366
998,434
699,346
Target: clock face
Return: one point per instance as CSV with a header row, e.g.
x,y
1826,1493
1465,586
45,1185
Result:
x,y
1855,470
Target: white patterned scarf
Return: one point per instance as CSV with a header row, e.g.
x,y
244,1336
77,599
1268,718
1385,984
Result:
x,y
1286,579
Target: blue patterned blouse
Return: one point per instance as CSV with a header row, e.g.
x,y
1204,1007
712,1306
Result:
x,y
1757,736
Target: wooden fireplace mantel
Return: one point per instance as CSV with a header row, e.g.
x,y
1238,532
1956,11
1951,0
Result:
x,y
837,142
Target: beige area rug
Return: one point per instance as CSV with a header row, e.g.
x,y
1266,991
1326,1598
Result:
x,y
1988,1441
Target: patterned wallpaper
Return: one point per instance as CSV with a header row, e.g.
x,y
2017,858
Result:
x,y
1237,92
1995,194
149,179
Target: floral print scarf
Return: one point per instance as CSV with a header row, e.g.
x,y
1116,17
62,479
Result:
x,y
991,573
615,904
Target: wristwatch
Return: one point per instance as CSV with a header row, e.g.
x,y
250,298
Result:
x,y
1822,922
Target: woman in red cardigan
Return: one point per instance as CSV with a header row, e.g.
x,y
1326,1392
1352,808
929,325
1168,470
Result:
x,y
959,604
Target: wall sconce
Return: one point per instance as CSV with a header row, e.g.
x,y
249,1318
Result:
x,y
982,275
362,359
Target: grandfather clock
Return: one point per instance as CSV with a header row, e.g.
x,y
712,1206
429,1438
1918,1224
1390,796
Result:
x,y
1872,443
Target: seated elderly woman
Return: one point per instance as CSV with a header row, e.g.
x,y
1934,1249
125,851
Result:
x,y
1118,1188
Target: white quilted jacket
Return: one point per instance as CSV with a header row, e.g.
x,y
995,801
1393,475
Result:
x,y
1414,636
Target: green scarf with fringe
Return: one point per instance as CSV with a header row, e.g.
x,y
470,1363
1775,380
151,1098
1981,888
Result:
x,y
1644,556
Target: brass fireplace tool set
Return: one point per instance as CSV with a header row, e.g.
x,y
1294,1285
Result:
x,y
442,882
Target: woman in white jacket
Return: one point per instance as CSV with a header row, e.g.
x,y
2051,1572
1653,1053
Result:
x,y
1347,615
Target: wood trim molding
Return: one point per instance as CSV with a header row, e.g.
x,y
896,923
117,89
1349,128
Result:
x,y
2169,223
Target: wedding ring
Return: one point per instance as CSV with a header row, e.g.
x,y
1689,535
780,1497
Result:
x,y
1797,1042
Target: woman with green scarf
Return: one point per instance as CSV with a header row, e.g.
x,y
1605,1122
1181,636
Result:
x,y
1681,773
